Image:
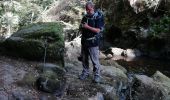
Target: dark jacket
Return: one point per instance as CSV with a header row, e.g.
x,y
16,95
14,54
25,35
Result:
x,y
97,21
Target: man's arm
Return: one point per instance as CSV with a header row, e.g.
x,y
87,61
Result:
x,y
93,29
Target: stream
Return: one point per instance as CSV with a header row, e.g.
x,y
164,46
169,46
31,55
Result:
x,y
145,65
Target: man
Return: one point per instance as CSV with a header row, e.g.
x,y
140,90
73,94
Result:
x,y
91,24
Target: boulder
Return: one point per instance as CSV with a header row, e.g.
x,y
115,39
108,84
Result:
x,y
113,72
156,87
109,56
47,85
30,41
112,63
50,82
51,78
132,53
163,84
109,92
117,51
146,89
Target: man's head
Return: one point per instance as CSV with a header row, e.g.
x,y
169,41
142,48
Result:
x,y
90,8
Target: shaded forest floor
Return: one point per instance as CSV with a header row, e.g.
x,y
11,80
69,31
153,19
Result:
x,y
16,79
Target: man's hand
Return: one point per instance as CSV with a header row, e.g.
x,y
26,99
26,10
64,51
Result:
x,y
86,26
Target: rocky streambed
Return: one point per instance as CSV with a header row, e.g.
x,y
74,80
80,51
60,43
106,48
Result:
x,y
119,82
19,77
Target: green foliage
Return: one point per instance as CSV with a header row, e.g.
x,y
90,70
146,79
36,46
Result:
x,y
22,12
160,26
43,3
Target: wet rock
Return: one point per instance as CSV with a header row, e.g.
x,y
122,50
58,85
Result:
x,y
117,51
29,41
132,53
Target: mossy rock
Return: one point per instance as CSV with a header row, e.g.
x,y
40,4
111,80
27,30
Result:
x,y
50,75
30,41
50,82
28,80
47,85
59,70
38,30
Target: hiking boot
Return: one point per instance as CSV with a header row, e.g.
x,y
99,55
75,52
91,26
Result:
x,y
97,78
83,76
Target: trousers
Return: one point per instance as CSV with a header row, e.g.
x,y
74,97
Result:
x,y
93,53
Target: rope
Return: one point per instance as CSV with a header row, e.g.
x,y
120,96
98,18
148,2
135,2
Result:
x,y
45,51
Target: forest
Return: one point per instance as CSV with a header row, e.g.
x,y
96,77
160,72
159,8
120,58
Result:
x,y
40,46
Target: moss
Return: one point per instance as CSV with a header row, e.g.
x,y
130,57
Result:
x,y
49,81
31,49
28,80
29,41
47,85
40,30
49,74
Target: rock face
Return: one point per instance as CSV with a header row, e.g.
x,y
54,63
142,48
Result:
x,y
30,41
